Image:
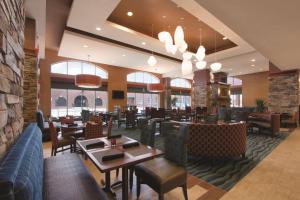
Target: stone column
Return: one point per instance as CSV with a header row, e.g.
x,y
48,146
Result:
x,y
167,93
12,15
200,89
284,91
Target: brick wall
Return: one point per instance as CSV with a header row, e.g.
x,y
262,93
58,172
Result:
x,y
12,22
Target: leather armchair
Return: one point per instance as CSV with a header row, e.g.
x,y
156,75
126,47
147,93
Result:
x,y
165,174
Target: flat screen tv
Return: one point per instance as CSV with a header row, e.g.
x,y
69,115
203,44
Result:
x,y
118,94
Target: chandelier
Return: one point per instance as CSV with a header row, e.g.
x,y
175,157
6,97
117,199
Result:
x,y
216,66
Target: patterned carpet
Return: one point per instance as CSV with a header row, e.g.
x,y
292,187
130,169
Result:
x,y
223,173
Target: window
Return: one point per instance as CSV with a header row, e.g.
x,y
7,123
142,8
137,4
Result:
x,y
71,102
78,67
142,77
180,82
234,81
236,100
180,101
142,100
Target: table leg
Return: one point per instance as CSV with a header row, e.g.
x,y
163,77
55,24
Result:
x,y
124,183
107,188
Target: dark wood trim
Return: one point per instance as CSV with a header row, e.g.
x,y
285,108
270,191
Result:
x,y
292,71
74,30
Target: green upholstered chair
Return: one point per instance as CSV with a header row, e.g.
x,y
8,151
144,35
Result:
x,y
166,173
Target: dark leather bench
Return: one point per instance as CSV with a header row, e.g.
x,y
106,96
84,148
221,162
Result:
x,y
25,174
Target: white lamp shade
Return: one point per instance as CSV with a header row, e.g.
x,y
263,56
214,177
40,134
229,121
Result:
x,y
183,46
165,37
187,55
200,55
152,61
201,64
178,36
173,49
216,66
186,67
201,49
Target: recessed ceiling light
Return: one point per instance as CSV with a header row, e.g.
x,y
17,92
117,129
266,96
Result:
x,y
181,18
253,60
252,65
143,43
225,38
85,46
98,29
129,13
123,55
164,16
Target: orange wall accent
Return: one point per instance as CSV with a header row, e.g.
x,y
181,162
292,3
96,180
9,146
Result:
x,y
116,81
255,86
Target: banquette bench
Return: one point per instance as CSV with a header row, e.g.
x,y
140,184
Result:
x,y
26,175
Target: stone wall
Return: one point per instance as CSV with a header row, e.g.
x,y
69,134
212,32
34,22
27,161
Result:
x,y
31,88
283,92
12,15
200,89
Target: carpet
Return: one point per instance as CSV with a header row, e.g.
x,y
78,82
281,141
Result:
x,y
227,172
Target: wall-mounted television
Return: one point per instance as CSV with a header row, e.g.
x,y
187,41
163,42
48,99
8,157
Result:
x,y
118,94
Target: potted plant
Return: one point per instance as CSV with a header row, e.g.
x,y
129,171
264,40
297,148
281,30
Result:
x,y
260,105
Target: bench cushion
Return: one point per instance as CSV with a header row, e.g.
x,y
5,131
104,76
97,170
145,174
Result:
x,y
66,177
21,171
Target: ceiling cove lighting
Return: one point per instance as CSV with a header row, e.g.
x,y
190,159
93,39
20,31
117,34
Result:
x,y
155,87
88,80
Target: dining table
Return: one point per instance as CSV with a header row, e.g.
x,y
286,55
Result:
x,y
132,155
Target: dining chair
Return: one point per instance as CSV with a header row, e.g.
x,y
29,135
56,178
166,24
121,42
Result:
x,y
166,173
95,118
93,130
130,118
59,141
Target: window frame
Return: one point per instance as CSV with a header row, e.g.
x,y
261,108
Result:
x,y
151,77
180,83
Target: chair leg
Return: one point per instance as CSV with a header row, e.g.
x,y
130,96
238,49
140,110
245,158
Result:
x,y
160,196
55,149
131,170
138,187
52,151
184,190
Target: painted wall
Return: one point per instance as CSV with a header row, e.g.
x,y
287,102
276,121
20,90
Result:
x,y
116,81
255,86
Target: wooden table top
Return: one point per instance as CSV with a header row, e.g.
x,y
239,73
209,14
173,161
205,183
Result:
x,y
132,155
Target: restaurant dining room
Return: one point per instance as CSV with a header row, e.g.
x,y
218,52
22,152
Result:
x,y
149,99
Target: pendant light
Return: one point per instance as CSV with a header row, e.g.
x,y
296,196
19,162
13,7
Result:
x,y
155,87
152,60
216,66
201,64
186,67
87,80
200,55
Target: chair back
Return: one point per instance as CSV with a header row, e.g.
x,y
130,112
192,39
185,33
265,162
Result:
x,y
109,128
96,119
53,133
85,115
188,109
40,119
147,131
147,111
176,146
93,130
66,120
130,117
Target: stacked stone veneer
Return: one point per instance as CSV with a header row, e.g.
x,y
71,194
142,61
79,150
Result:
x,y
200,89
283,92
31,88
12,22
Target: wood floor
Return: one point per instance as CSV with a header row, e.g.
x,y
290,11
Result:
x,y
197,189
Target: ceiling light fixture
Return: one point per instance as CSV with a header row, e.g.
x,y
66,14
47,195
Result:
x,y
152,60
252,65
85,46
123,55
129,13
253,60
87,80
201,64
225,38
216,66
98,29
143,43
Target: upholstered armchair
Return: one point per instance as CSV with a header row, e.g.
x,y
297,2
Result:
x,y
147,131
165,174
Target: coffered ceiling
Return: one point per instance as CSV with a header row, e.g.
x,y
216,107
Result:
x,y
97,28
166,16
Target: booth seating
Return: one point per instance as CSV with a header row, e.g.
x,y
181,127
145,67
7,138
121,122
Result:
x,y
265,122
25,174
217,140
